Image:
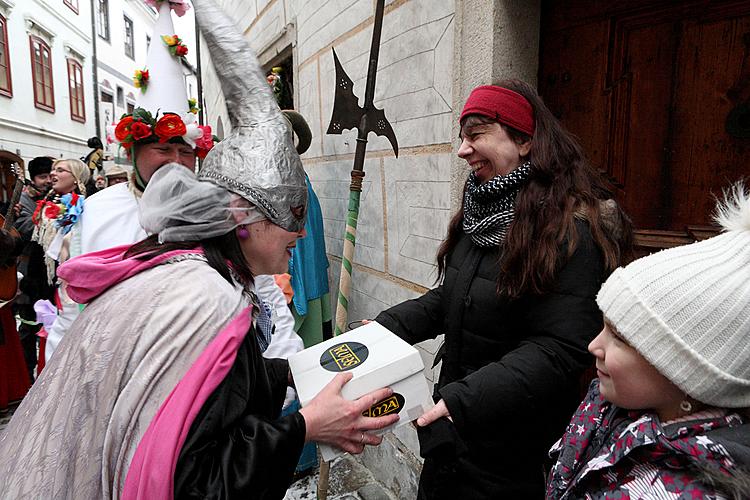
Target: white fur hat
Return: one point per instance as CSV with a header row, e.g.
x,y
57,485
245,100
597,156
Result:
x,y
686,310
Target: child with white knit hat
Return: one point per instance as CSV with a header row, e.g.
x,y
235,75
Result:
x,y
668,416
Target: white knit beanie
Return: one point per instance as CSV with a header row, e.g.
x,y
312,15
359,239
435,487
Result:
x,y
687,309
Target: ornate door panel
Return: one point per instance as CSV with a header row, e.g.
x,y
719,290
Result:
x,y
659,95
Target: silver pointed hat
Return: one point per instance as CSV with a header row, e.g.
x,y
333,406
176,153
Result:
x,y
257,160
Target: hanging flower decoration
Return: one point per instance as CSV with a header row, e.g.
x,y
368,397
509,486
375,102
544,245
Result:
x,y
66,211
178,6
193,105
175,45
140,79
143,125
204,143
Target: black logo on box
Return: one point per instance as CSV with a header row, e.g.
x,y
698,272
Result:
x,y
390,405
344,356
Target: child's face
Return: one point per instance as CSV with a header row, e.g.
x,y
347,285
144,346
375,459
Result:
x,y
627,380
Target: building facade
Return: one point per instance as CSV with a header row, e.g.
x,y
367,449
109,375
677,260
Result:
x,y
46,89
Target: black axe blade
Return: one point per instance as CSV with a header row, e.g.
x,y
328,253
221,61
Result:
x,y
347,114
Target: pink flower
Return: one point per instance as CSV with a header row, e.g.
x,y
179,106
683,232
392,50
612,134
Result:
x,y
206,141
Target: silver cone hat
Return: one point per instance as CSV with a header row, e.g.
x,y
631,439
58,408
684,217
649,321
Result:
x,y
257,160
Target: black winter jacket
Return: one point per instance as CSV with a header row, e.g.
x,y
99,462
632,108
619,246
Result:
x,y
511,368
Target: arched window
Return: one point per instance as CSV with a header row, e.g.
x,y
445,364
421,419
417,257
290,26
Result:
x,y
75,86
41,73
6,87
220,129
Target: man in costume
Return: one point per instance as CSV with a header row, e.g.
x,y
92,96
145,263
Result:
x,y
166,131
110,217
159,389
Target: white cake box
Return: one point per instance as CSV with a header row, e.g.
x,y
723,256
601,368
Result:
x,y
377,358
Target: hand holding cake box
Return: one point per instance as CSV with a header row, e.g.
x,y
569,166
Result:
x,y
356,364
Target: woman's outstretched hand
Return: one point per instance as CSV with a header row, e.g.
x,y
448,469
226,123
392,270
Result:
x,y
329,418
437,411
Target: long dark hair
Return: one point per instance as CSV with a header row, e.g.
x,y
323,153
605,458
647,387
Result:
x,y
223,253
562,185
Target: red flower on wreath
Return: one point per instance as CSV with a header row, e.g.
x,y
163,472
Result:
x,y
169,126
123,128
140,130
52,210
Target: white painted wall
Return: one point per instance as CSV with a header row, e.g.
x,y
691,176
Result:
x,y
25,129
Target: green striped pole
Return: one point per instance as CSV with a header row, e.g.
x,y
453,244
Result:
x,y
350,237
369,119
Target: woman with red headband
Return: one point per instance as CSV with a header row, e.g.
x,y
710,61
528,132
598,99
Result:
x,y
519,270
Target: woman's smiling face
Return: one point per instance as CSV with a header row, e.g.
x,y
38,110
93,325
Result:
x,y
488,149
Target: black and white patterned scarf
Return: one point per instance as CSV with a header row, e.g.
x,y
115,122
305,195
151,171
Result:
x,y
489,207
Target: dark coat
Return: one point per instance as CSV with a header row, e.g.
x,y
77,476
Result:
x,y
511,368
608,452
238,446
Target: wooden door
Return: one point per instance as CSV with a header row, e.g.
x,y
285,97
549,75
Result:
x,y
659,95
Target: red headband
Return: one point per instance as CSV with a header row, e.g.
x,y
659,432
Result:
x,y
507,107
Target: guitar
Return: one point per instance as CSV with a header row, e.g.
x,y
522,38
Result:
x,y
8,275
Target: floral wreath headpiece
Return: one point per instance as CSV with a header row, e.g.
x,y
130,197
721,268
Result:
x,y
142,127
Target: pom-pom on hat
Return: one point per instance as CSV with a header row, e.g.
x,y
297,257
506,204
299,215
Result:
x,y
686,310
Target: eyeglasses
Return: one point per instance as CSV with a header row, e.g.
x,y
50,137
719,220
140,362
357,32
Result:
x,y
60,170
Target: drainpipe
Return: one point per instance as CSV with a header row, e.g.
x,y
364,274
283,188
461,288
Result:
x,y
201,117
95,73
